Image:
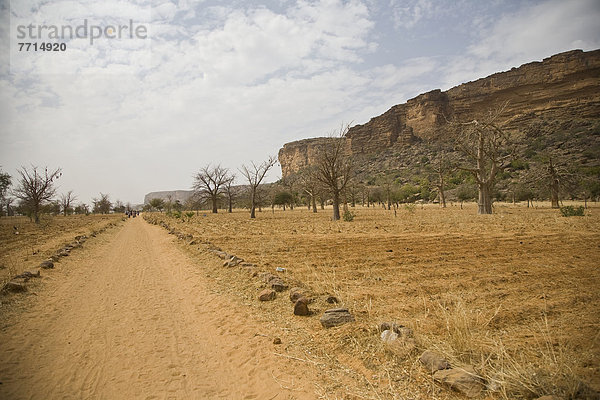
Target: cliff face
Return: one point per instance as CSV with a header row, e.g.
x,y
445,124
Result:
x,y
173,195
559,88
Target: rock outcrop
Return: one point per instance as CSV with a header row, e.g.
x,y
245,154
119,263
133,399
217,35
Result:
x,y
173,195
558,88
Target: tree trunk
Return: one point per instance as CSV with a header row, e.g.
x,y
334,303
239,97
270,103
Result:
x,y
554,193
252,205
314,204
442,196
230,206
214,205
322,204
336,206
485,198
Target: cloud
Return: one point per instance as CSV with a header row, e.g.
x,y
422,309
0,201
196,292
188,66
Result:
x,y
541,30
232,84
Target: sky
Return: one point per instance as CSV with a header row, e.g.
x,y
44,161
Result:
x,y
148,92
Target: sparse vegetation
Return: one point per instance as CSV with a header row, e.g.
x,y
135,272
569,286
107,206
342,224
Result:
x,y
572,211
524,315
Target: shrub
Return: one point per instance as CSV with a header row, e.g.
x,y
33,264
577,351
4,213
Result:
x,y
410,207
572,211
348,216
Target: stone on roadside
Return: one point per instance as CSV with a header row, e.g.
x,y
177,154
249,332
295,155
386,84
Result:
x,y
434,361
332,300
232,262
296,293
222,254
463,380
301,307
388,336
336,317
48,264
266,295
14,287
248,265
278,284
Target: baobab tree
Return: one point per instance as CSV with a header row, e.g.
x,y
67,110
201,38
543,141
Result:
x,y
554,170
441,167
231,192
255,174
35,188
486,150
210,183
310,184
334,167
66,199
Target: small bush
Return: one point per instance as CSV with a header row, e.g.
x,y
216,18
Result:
x,y
410,207
348,216
572,211
189,214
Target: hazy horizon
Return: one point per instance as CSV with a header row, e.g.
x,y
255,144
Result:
x,y
231,82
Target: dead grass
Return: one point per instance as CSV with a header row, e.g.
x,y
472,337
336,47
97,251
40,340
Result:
x,y
35,243
514,294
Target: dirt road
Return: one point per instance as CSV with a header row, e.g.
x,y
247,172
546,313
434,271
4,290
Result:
x,y
130,316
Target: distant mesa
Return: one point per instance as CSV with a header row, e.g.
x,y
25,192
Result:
x,y
173,195
557,89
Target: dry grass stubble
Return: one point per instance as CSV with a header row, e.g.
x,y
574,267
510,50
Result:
x,y
514,294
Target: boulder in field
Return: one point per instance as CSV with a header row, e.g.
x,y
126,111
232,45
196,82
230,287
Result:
x,y
301,307
434,361
48,264
463,380
278,284
14,286
336,317
332,300
267,295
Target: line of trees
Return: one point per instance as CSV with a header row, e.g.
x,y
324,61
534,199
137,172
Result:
x,y
35,193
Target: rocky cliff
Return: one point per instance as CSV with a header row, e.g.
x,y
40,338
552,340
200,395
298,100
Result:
x,y
557,89
173,195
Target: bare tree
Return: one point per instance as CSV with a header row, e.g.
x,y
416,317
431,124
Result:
x,y
231,192
290,182
555,170
334,167
386,182
254,174
210,182
66,200
310,184
486,150
36,188
441,166
82,208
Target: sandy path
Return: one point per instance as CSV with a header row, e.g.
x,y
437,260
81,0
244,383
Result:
x,y
130,317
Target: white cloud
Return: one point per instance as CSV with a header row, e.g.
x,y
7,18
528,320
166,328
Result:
x,y
541,30
224,84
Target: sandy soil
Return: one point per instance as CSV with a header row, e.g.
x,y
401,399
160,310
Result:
x,y
130,316
509,293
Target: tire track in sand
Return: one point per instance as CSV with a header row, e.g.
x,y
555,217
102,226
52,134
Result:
x,y
130,318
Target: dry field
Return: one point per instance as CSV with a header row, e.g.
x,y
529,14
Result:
x,y
515,294
36,243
